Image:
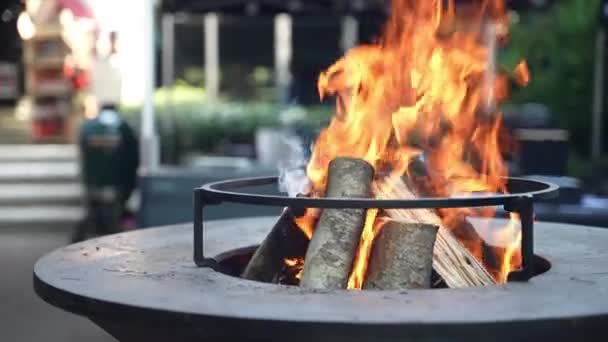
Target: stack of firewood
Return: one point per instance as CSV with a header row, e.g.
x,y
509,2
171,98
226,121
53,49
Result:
x,y
407,247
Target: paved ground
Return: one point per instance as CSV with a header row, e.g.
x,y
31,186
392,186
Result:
x,y
23,316
39,190
39,186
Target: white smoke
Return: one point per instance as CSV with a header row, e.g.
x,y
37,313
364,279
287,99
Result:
x,y
292,167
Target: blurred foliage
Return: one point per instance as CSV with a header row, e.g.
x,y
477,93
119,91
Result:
x,y
187,121
238,81
194,76
559,45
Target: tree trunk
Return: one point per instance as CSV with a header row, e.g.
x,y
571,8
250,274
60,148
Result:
x,y
334,244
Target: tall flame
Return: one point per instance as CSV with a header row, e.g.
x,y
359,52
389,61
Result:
x,y
357,275
428,89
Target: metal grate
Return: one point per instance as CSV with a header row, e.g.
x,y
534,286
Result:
x,y
520,200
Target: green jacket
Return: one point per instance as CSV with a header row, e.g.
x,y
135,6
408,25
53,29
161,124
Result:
x,y
109,154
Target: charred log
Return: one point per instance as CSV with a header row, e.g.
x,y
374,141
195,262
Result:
x,y
284,240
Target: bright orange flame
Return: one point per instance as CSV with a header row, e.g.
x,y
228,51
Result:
x,y
357,275
522,74
308,222
511,258
430,89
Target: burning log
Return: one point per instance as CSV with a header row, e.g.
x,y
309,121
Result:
x,y
402,257
452,260
334,244
284,240
419,180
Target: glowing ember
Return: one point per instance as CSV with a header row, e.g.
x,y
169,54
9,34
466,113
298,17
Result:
x,y
296,265
428,88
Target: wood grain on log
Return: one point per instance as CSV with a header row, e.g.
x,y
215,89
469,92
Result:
x,y
402,257
454,263
330,255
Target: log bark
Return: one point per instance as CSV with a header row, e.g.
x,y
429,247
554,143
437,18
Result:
x,y
331,252
284,240
402,257
451,259
419,180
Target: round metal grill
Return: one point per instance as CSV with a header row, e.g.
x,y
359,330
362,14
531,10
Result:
x,y
520,200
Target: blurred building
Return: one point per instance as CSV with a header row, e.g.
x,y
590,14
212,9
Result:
x,y
10,63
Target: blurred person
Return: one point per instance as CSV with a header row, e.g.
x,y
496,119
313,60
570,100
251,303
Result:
x,y
109,151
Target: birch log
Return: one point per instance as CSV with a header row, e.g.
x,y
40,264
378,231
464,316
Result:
x,y
402,257
330,255
452,261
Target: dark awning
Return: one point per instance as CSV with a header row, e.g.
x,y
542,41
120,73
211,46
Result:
x,y
309,7
269,7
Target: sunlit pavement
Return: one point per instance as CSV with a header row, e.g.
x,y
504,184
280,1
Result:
x,y
23,316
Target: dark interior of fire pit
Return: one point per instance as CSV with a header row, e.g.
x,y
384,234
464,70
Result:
x,y
234,262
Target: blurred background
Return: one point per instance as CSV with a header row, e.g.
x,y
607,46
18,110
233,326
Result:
x,y
111,112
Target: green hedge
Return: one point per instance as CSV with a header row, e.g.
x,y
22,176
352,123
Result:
x,y
188,121
559,45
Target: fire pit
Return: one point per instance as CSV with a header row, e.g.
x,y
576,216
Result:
x,y
413,158
143,286
522,193
415,151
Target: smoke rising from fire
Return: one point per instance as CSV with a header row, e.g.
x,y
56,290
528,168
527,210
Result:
x,y
292,173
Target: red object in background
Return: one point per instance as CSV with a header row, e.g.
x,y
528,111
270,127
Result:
x,y
47,128
80,78
78,7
